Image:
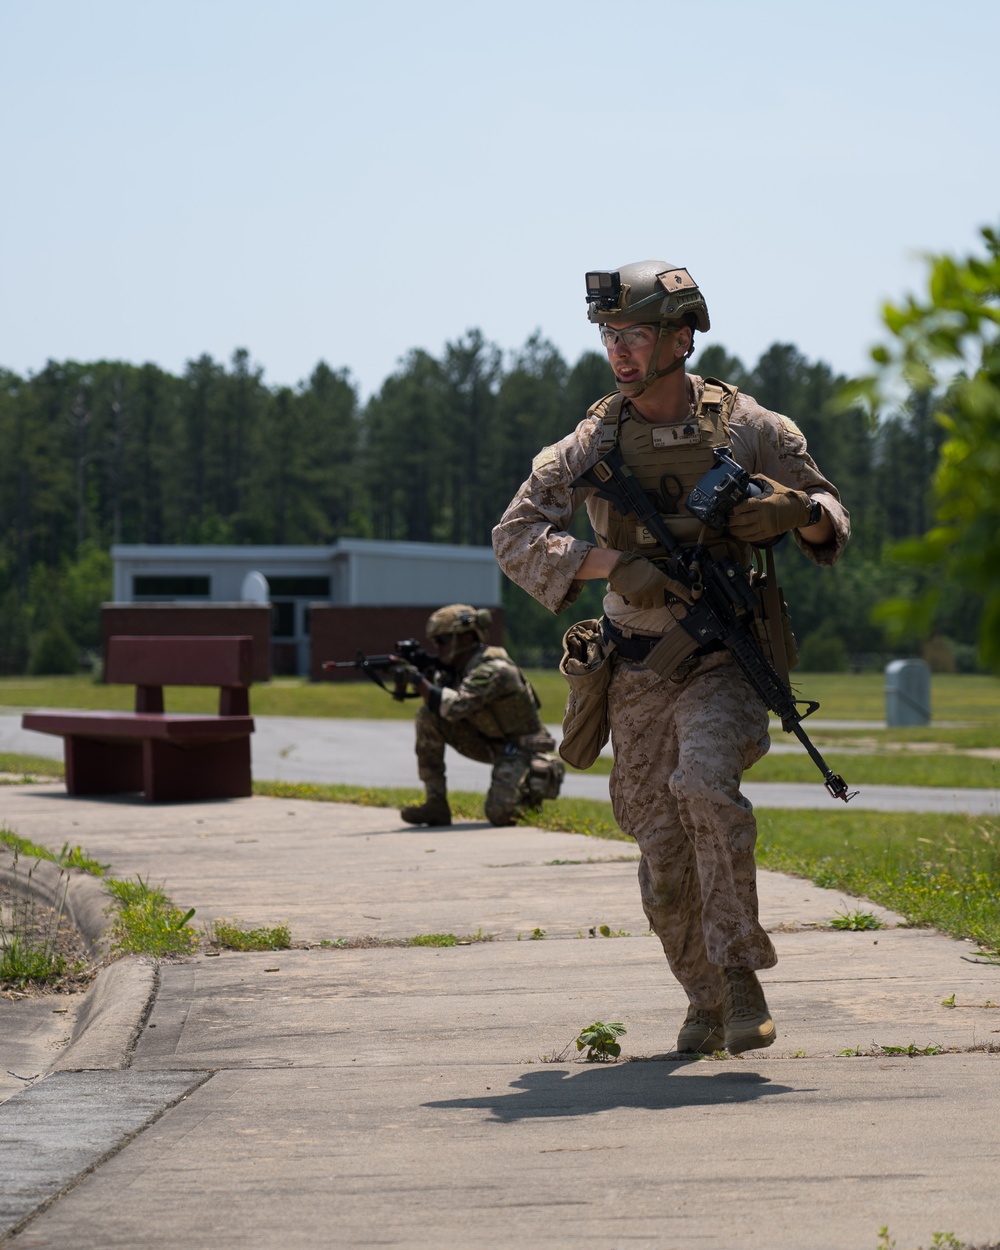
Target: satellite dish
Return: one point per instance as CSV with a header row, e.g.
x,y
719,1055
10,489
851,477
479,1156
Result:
x,y
255,589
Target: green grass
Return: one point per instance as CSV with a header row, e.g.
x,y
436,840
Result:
x,y
29,931
588,816
68,857
897,768
281,697
23,962
861,696
842,696
969,737
28,767
934,869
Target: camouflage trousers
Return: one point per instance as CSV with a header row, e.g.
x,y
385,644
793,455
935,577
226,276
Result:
x,y
511,761
681,747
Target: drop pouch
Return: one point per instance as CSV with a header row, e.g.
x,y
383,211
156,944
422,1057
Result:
x,y
587,664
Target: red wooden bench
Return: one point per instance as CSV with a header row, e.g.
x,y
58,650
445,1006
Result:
x,y
169,756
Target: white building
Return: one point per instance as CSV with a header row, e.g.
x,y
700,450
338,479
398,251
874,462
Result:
x,y
354,572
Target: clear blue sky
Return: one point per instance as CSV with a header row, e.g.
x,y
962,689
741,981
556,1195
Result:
x,y
346,181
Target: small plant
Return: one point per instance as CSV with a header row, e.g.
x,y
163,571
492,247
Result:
x,y
856,920
876,1049
606,931
28,940
236,937
912,1049
939,1241
146,922
433,939
988,1005
598,1039
68,857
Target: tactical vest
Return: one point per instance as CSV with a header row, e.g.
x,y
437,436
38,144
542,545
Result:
x,y
514,713
667,462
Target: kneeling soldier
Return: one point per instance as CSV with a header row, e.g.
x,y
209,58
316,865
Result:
x,y
480,703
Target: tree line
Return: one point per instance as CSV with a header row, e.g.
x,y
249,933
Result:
x,y
110,452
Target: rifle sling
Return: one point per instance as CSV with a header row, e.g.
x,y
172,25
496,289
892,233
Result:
x,y
772,612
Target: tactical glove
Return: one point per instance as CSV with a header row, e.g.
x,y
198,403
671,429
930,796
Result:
x,y
641,584
404,677
408,673
770,514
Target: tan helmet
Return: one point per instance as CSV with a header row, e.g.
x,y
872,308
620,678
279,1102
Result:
x,y
653,292
649,290
459,618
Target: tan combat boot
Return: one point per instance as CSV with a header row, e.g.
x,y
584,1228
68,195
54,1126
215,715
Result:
x,y
434,811
701,1032
746,1019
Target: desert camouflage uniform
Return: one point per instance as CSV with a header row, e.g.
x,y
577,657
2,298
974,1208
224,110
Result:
x,y
490,715
681,745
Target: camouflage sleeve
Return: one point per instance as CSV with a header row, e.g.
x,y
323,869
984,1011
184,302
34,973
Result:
x,y
766,442
531,541
485,683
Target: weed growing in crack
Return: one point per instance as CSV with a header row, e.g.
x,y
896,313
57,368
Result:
x,y
877,1050
146,922
856,921
234,936
599,1040
939,1241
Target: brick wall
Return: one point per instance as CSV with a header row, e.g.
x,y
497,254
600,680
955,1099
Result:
x,y
195,620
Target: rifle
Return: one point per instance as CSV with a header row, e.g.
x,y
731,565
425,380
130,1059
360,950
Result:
x,y
408,654
721,595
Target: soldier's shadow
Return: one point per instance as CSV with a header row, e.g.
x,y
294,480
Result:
x,y
560,1092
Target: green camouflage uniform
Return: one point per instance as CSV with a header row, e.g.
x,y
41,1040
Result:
x,y
490,714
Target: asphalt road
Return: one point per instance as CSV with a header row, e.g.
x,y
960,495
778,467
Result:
x,y
380,753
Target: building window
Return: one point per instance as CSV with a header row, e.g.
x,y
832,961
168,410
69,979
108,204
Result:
x,y
299,587
147,586
283,620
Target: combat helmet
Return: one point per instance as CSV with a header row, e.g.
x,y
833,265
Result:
x,y
651,291
459,618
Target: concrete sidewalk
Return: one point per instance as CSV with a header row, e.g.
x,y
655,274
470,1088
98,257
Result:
x,y
423,1097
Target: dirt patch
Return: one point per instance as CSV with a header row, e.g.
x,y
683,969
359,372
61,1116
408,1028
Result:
x,y
38,923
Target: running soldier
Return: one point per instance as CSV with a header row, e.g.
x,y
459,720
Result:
x,y
684,722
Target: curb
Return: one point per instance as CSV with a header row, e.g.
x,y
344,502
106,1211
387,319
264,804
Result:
x,y
114,1010
85,896
116,1005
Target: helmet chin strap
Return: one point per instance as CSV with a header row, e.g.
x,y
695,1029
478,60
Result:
x,y
632,390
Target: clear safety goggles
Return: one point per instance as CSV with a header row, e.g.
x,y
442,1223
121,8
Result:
x,y
630,336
